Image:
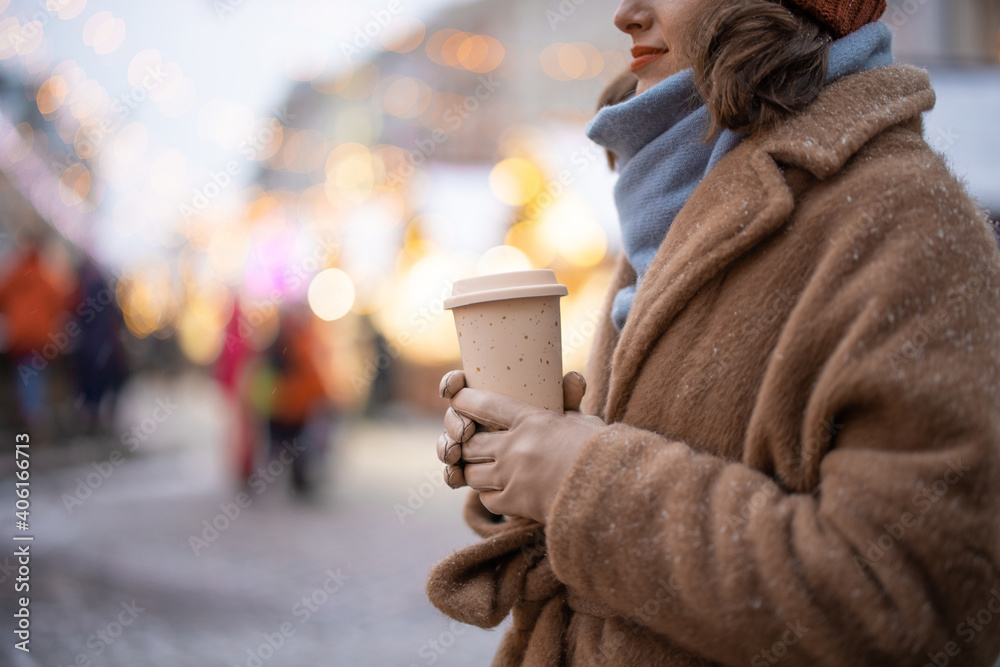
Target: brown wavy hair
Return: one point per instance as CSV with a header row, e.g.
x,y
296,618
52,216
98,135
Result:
x,y
755,63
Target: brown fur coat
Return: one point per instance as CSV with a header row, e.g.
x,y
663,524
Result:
x,y
801,462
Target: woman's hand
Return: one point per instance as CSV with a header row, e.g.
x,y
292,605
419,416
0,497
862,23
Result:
x,y
519,464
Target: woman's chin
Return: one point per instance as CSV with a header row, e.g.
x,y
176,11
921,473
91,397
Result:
x,y
647,83
656,74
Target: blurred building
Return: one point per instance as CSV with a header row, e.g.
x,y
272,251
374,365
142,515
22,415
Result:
x,y
933,32
958,41
460,144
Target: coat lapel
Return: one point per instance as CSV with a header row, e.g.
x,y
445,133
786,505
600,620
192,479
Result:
x,y
745,198
598,370
739,203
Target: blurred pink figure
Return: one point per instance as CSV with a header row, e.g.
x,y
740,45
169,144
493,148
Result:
x,y
231,371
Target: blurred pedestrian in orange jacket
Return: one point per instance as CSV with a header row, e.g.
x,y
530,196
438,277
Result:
x,y
298,393
33,309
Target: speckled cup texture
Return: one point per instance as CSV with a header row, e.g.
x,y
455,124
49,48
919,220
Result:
x,y
514,347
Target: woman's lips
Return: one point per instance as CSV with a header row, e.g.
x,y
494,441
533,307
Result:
x,y
645,55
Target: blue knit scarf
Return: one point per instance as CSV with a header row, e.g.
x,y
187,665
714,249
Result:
x,y
658,139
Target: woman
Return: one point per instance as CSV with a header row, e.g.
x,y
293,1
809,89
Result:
x,y
789,447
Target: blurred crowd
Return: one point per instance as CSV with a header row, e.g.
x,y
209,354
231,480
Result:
x,y
66,358
60,336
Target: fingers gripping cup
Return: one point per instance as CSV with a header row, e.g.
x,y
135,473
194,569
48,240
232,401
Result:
x,y
510,334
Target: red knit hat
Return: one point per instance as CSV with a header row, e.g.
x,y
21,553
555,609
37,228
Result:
x,y
842,16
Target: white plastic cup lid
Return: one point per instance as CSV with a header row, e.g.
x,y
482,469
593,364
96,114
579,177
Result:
x,y
500,286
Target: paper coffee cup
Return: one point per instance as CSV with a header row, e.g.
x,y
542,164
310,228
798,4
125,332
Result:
x,y
510,334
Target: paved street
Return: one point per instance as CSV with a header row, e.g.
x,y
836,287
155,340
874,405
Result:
x,y
338,581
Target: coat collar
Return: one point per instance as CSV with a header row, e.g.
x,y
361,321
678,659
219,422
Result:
x,y
745,199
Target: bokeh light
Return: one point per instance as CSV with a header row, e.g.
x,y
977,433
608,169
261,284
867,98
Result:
x,y
103,32
69,9
88,99
143,66
39,60
146,295
401,96
331,294
414,318
569,226
263,141
515,181
200,324
403,34
350,174
51,94
18,39
476,53
227,251
163,83
32,33
74,184
480,53
10,36
569,62
501,259
304,151
435,45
